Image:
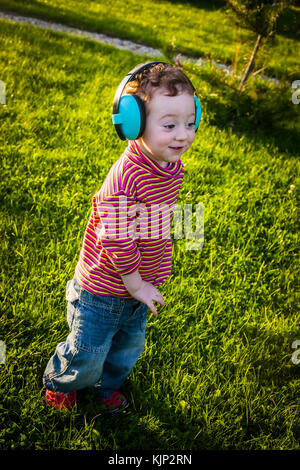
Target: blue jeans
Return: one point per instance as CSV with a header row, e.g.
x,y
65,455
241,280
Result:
x,y
107,336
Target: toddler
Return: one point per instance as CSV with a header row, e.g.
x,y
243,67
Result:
x,y
126,250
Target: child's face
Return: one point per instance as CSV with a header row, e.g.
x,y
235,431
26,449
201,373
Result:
x,y
170,129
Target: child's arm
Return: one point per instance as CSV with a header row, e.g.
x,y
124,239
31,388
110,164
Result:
x,y
142,290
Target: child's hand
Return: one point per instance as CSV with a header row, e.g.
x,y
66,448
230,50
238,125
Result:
x,y
148,294
143,291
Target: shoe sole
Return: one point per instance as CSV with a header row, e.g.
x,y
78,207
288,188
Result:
x,y
121,407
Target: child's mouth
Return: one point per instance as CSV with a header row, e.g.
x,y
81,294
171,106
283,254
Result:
x,y
176,149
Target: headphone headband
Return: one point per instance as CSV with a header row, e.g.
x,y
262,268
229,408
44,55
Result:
x,y
129,78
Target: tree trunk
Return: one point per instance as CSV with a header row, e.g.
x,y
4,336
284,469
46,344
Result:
x,y
251,62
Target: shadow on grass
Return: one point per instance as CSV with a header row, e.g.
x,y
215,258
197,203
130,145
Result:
x,y
262,114
150,423
287,23
146,424
211,5
274,365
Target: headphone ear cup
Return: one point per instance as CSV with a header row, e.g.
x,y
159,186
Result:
x,y
198,112
131,118
142,109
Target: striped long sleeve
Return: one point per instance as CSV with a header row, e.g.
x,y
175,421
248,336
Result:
x,y
114,222
129,225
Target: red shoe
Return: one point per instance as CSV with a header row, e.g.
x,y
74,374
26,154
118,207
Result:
x,y
114,403
62,401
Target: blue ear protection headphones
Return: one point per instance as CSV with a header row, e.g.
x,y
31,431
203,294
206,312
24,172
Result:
x,y
129,114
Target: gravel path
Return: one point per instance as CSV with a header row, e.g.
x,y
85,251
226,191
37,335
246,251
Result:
x,y
118,43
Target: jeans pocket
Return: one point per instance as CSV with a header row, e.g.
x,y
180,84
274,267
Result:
x,y
72,296
71,310
138,317
71,293
143,318
92,333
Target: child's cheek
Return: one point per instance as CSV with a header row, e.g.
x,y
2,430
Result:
x,y
192,137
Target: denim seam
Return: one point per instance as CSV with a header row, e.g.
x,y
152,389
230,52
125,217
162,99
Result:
x,y
95,303
54,375
142,320
82,347
90,349
72,319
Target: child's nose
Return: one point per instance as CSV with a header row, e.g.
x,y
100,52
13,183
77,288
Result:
x,y
181,133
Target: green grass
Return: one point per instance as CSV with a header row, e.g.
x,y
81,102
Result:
x,y
216,372
200,29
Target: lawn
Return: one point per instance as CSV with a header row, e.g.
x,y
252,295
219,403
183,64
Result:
x,y
217,369
197,28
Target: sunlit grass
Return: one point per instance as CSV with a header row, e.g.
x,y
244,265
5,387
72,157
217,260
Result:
x,y
200,29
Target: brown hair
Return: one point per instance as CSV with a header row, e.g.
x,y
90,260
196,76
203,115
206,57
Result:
x,y
159,76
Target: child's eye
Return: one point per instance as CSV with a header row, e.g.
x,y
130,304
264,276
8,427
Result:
x,y
169,126
191,124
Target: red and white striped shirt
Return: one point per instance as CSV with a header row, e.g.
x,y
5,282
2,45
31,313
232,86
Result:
x,y
129,227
